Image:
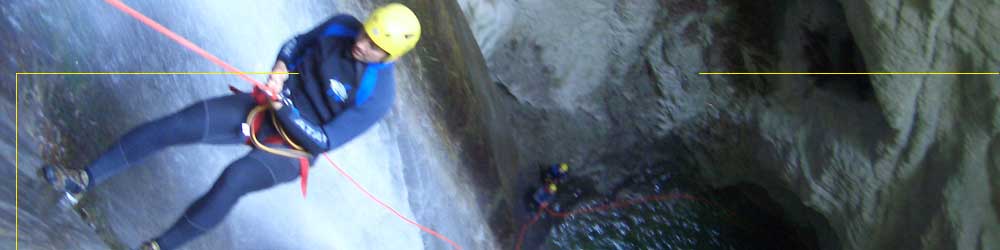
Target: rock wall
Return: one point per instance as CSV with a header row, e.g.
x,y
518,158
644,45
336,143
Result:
x,y
939,167
553,58
879,162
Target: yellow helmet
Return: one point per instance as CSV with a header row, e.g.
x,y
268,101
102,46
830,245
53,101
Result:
x,y
563,167
394,28
553,188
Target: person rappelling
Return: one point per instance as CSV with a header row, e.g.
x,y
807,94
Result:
x,y
555,173
345,85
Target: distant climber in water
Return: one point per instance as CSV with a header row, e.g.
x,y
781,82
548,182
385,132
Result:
x,y
551,176
543,196
345,85
555,173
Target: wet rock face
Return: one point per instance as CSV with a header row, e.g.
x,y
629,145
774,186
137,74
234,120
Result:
x,y
556,60
942,152
884,159
888,162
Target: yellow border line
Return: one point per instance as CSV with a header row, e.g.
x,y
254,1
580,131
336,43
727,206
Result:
x,y
156,73
849,73
17,144
17,171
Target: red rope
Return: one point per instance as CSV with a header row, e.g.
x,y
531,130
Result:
x,y
524,228
363,190
620,204
184,42
614,205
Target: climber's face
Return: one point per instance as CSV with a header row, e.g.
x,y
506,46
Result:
x,y
366,51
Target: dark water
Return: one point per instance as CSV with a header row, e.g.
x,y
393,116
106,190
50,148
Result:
x,y
677,224
738,217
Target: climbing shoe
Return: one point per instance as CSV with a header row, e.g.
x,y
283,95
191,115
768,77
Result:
x,y
71,181
149,245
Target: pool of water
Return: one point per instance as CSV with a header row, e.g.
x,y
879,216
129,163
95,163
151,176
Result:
x,y
684,215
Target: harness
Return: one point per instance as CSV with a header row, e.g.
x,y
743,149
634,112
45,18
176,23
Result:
x,y
254,120
252,126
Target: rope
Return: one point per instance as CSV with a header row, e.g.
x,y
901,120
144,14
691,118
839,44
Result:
x,y
544,208
524,228
188,44
184,42
296,153
626,203
363,190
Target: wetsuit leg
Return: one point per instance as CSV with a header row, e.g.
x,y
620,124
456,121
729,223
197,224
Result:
x,y
256,171
215,121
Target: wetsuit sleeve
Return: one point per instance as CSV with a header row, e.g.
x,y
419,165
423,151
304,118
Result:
x,y
304,132
295,48
355,120
347,125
